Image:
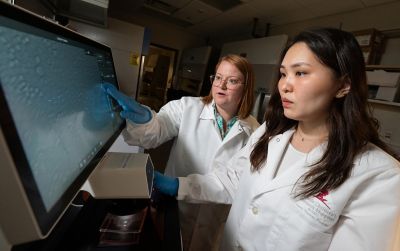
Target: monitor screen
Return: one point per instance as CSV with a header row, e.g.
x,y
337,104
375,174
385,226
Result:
x,y
56,120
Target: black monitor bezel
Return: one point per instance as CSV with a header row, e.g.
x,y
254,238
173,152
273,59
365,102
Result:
x,y
45,219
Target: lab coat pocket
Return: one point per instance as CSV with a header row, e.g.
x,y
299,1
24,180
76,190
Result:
x,y
305,228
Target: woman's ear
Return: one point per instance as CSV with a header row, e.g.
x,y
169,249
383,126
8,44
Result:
x,y
344,90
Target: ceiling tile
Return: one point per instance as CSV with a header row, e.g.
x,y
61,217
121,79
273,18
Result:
x,y
196,11
311,2
329,7
176,3
280,12
223,5
242,17
198,17
237,18
273,7
375,2
292,16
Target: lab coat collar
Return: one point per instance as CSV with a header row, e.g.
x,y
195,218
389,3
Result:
x,y
236,129
266,182
208,111
242,125
245,124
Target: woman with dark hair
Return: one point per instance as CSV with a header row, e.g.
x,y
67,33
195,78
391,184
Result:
x,y
206,130
315,175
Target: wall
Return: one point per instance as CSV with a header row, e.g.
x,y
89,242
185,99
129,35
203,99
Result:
x,y
166,34
35,6
126,41
4,246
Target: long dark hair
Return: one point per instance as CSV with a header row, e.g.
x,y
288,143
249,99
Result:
x,y
350,122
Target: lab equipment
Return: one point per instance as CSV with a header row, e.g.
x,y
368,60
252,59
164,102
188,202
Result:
x,y
121,176
56,121
165,184
132,110
260,106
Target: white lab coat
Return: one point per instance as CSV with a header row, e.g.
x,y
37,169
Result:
x,y
197,148
362,214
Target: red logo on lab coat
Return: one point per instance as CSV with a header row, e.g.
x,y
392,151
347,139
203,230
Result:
x,y
321,196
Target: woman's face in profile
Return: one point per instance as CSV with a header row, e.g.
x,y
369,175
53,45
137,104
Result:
x,y
307,87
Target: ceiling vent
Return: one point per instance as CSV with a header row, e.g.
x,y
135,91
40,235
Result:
x,y
223,5
191,11
166,7
88,11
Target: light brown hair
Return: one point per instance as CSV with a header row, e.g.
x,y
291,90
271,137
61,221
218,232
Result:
x,y
247,101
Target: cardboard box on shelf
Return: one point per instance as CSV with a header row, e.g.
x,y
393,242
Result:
x,y
383,85
372,43
383,78
372,55
369,37
388,94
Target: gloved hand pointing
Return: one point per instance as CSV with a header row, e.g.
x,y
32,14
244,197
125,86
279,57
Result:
x,y
165,184
132,110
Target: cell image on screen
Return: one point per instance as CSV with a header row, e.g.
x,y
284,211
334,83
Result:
x,y
61,113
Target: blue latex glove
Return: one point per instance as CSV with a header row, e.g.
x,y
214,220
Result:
x,y
131,109
165,184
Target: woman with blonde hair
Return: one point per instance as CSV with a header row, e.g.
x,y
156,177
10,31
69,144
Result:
x,y
207,131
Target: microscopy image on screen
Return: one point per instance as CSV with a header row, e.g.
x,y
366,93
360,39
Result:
x,y
54,91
